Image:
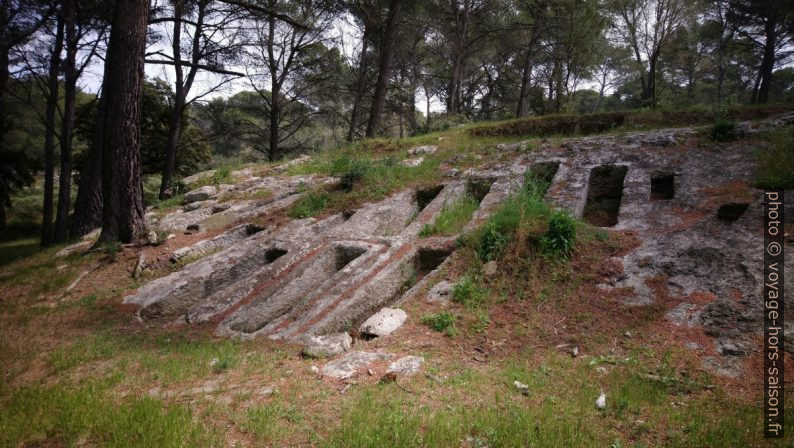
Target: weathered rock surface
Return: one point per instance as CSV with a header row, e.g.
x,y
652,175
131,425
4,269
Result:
x,y
422,150
201,193
198,177
383,323
327,345
79,246
314,277
441,292
406,366
350,363
489,269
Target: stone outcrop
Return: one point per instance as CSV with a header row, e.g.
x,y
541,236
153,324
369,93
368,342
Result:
x,y
697,222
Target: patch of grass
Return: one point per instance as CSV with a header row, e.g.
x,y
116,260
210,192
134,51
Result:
x,y
175,359
366,177
222,175
775,166
559,410
468,292
14,250
522,213
452,219
443,322
82,351
309,205
173,201
69,416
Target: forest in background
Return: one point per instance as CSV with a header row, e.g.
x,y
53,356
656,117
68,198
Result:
x,y
321,74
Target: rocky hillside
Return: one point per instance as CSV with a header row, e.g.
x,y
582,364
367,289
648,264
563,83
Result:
x,y
454,293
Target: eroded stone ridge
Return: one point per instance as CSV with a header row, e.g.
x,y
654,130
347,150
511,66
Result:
x,y
313,277
692,208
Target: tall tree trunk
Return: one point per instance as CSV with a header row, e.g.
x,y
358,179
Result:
x,y
651,94
176,114
768,61
275,89
275,110
526,79
174,127
49,136
453,88
427,108
88,205
4,74
183,85
67,132
122,191
358,95
384,67
411,111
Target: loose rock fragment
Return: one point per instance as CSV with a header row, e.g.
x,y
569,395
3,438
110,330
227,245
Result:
x,y
441,292
201,193
601,401
327,345
348,364
406,366
423,150
383,323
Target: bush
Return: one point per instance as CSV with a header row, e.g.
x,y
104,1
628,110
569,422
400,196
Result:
x,y
468,293
492,242
353,175
724,131
442,123
552,125
559,238
442,322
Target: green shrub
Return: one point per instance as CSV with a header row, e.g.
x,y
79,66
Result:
x,y
442,322
552,125
492,242
468,293
353,175
442,123
724,131
309,205
559,238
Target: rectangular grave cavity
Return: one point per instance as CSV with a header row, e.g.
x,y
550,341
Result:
x,y
731,211
194,292
428,259
662,186
289,297
425,196
540,175
604,192
478,187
